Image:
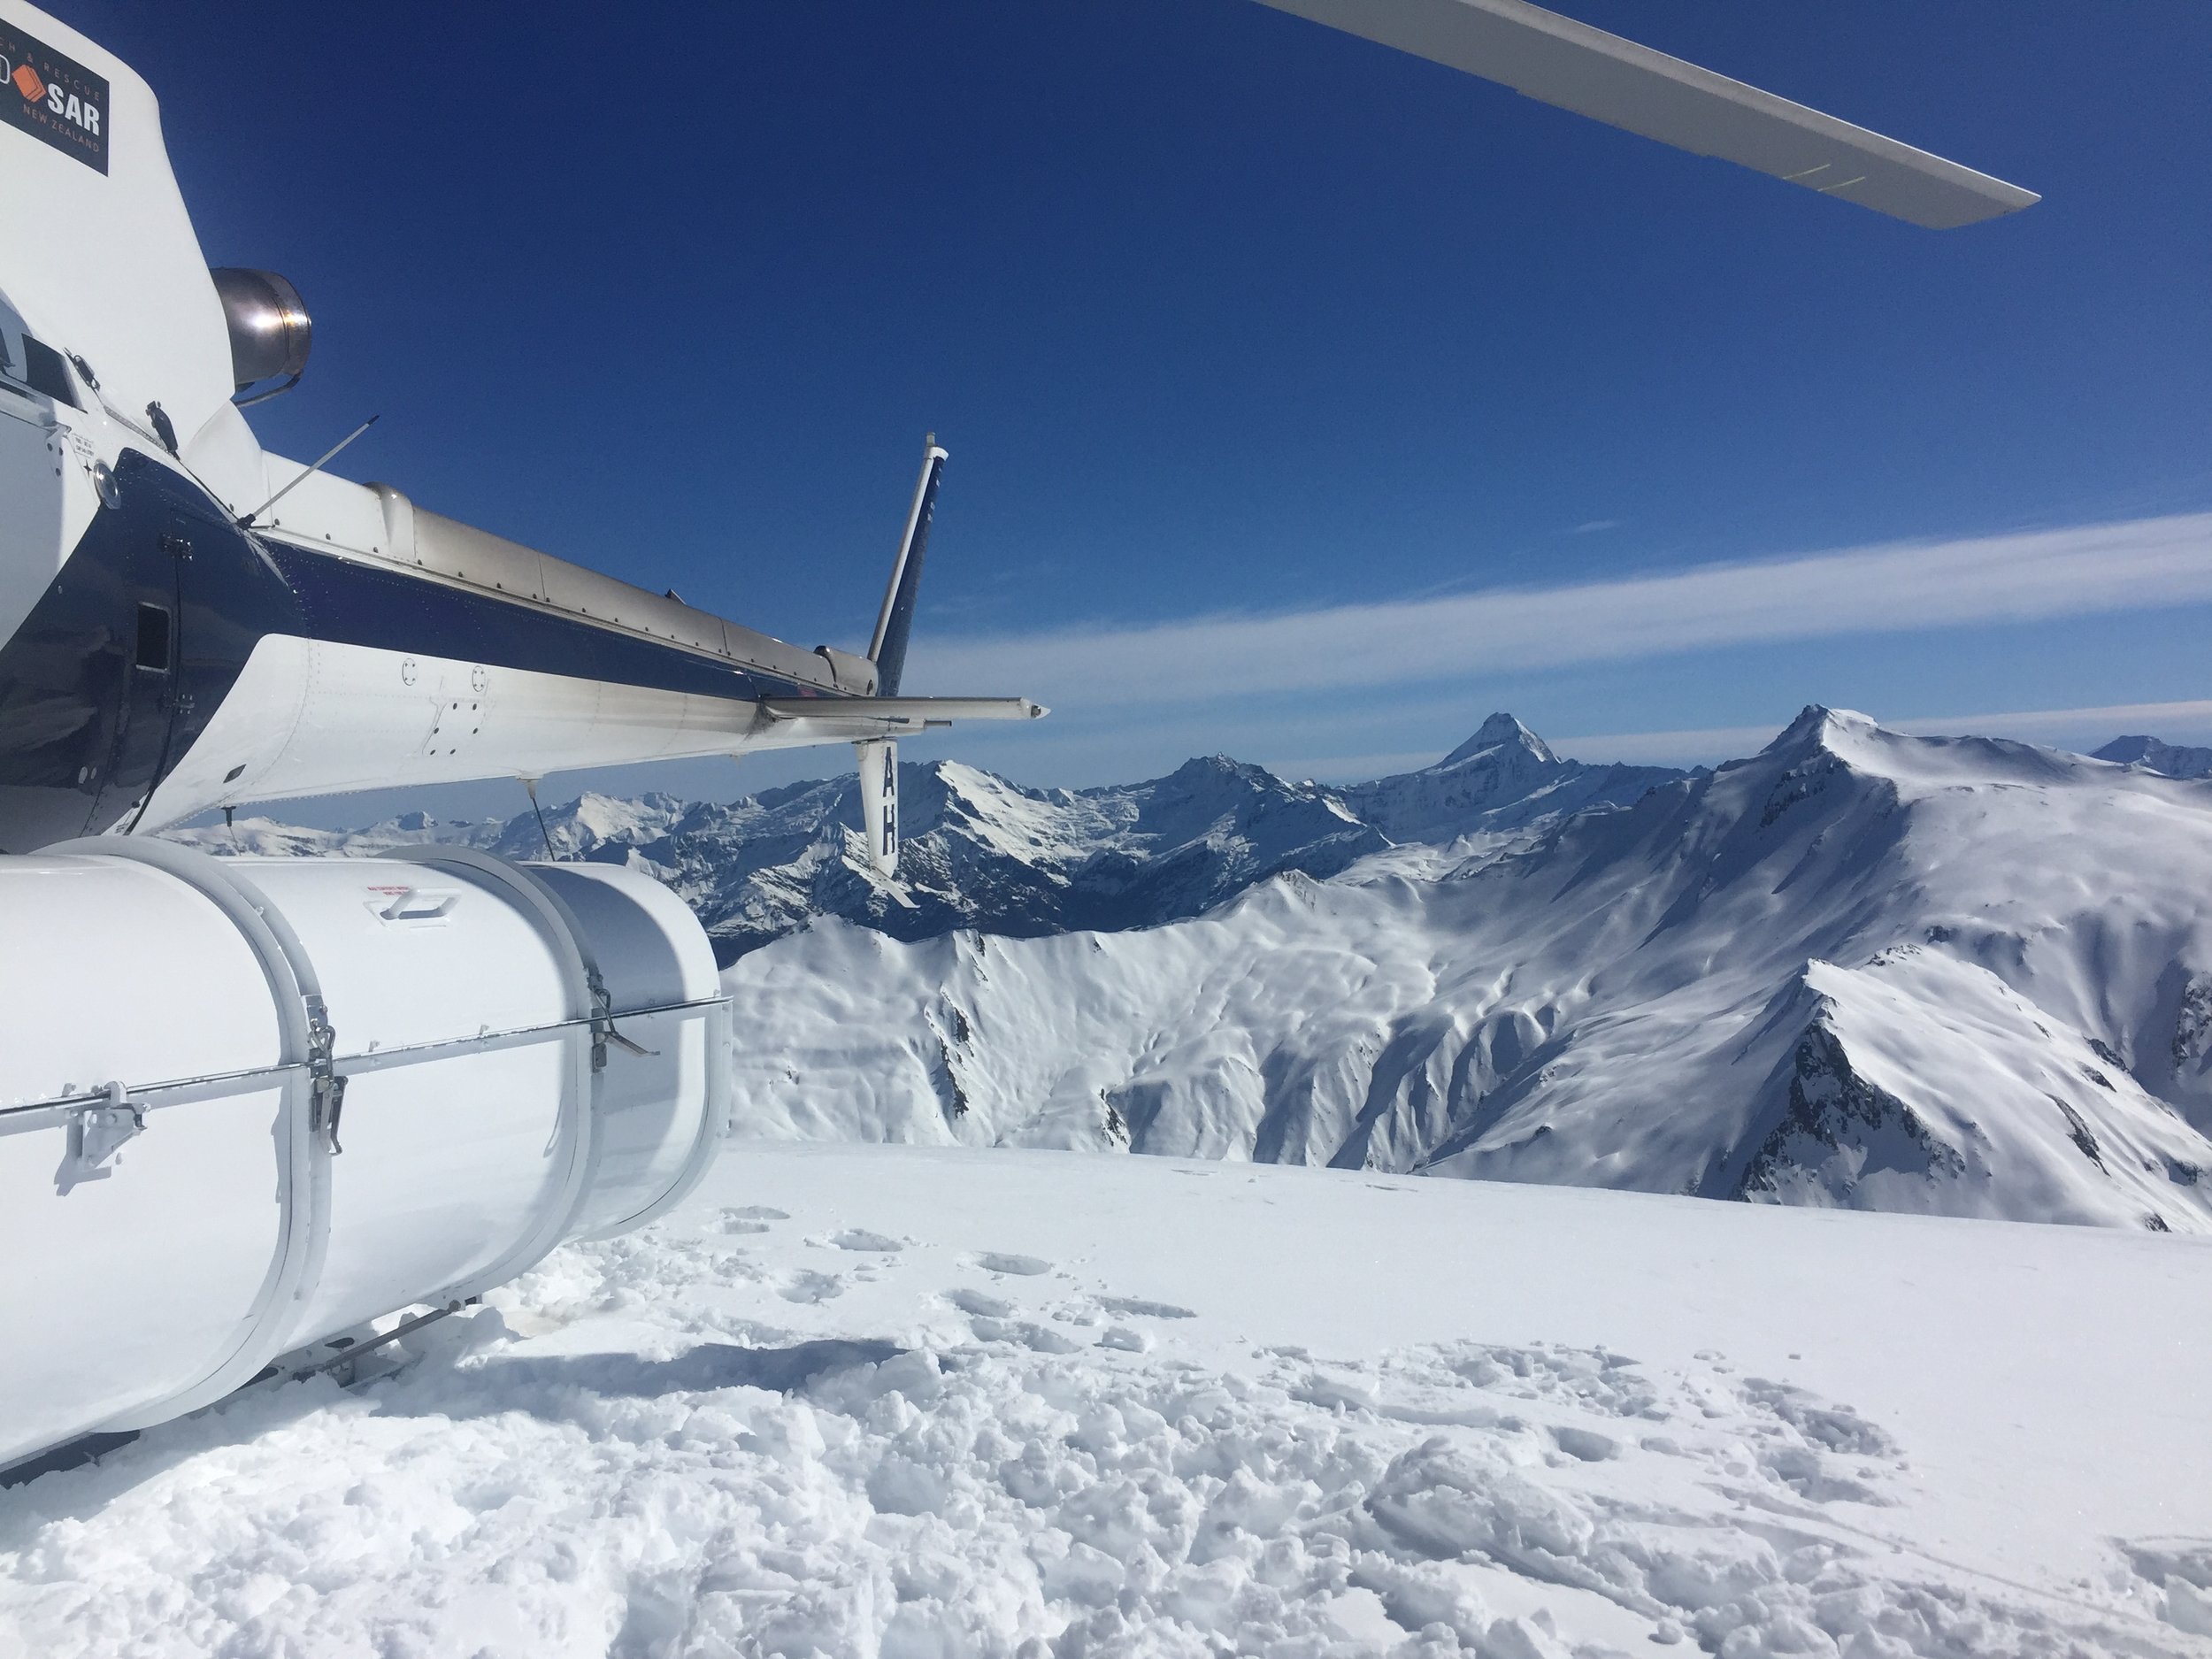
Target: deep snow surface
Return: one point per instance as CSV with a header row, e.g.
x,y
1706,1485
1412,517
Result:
x,y
910,1401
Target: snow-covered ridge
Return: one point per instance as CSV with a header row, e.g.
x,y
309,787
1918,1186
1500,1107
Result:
x,y
2171,758
1957,975
987,853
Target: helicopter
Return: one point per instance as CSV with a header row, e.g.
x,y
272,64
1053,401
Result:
x,y
250,1105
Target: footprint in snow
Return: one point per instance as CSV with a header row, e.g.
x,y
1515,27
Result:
x,y
757,1212
1137,1308
733,1224
1586,1444
1036,1338
974,1301
1024,1266
861,1239
811,1288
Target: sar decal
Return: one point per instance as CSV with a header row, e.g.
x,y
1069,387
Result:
x,y
53,98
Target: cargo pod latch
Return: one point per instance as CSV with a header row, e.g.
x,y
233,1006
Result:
x,y
602,1026
96,1133
327,1090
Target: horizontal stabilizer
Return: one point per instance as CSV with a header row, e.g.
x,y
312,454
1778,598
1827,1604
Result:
x,y
860,717
1558,61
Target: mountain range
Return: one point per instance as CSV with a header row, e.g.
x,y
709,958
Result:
x,y
987,853
1858,969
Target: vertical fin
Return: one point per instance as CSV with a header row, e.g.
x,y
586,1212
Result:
x,y
887,650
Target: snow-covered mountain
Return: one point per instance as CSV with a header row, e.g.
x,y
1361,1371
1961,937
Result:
x,y
1860,968
1503,778
979,852
983,853
2171,758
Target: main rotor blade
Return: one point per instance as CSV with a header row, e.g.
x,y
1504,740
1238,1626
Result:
x,y
1556,60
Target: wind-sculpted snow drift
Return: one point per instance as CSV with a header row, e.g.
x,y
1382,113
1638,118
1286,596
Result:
x,y
1953,976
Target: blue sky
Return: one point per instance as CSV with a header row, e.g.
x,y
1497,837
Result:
x,y
1238,330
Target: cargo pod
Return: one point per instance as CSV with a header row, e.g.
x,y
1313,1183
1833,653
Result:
x,y
346,1086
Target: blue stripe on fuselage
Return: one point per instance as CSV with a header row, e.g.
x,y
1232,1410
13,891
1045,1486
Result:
x,y
347,602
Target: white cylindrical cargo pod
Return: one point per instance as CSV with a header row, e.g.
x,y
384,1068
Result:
x,y
118,1293
247,1103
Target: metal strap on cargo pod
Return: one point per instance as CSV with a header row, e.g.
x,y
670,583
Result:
x,y
302,1160
589,1006
714,1120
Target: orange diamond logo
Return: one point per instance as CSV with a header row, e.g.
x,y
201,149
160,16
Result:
x,y
27,83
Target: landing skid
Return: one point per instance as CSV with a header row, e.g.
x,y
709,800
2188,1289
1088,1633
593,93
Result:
x,y
339,1358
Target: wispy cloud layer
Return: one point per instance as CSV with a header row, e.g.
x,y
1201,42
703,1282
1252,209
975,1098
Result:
x,y
1894,587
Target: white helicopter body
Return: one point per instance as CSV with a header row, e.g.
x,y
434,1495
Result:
x,y
172,645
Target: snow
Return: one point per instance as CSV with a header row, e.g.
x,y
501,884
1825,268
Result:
x,y
901,1401
1954,976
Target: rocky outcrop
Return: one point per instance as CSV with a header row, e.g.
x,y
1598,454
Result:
x,y
1838,1129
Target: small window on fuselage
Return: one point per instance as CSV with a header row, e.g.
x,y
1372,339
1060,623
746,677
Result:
x,y
44,371
153,639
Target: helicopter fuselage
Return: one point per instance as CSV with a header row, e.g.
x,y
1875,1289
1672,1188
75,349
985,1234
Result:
x,y
176,661
188,621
